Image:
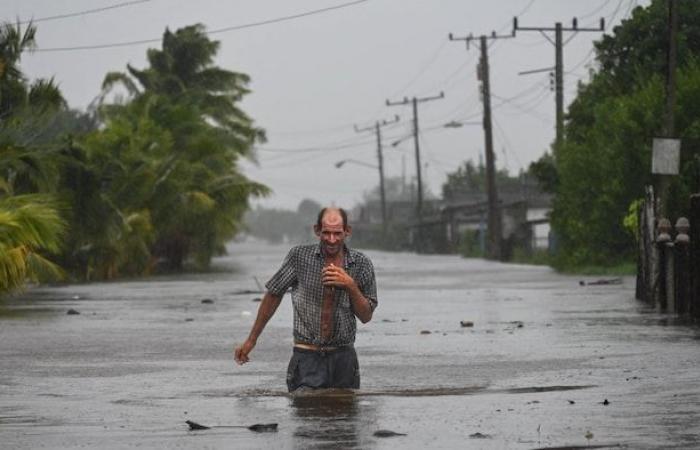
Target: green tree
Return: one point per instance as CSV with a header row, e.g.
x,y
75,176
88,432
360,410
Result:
x,y
605,161
470,179
29,225
30,222
172,149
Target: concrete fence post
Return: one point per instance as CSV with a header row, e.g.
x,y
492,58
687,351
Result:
x,y
682,266
664,288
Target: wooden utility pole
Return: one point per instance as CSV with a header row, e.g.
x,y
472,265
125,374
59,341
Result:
x,y
669,119
414,102
495,227
380,162
558,68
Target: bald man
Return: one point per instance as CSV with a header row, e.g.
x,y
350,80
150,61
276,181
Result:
x,y
331,285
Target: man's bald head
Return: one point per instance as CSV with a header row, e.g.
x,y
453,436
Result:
x,y
332,216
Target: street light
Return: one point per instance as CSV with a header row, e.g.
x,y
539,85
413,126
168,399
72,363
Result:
x,y
340,163
456,124
400,140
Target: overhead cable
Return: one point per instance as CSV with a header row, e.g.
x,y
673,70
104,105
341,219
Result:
x,y
216,31
85,12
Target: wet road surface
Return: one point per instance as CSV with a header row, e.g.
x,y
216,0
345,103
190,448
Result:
x,y
547,363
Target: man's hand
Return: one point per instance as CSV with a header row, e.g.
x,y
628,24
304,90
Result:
x,y
241,352
333,275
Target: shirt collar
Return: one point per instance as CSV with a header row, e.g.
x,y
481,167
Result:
x,y
347,251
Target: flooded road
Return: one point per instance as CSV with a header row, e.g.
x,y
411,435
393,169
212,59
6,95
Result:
x,y
547,363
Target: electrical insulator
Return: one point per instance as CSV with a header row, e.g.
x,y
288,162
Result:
x,y
551,81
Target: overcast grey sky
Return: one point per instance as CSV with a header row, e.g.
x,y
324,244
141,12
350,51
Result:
x,y
316,76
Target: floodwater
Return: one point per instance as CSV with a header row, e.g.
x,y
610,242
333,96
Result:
x,y
547,363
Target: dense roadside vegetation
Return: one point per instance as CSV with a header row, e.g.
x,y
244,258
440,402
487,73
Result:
x,y
601,169
148,179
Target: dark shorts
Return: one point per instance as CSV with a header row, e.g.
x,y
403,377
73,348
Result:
x,y
334,369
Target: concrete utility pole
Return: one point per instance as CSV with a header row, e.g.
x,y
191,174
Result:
x,y
380,160
414,101
558,68
495,227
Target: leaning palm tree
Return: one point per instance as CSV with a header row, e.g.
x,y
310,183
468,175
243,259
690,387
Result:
x,y
181,131
30,223
29,226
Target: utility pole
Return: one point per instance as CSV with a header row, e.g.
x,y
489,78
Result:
x,y
495,227
380,160
669,119
558,68
414,101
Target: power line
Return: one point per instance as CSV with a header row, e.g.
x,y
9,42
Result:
x,y
558,30
425,67
380,160
219,30
542,117
321,148
450,79
414,102
508,145
507,24
595,11
85,12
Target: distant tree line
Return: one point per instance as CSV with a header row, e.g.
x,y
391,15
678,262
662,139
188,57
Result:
x,y
282,225
147,179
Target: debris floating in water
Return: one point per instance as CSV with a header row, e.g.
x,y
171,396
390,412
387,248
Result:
x,y
196,426
207,301
387,433
258,427
600,282
478,435
466,323
72,312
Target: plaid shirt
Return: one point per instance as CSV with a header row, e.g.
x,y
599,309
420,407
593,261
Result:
x,y
301,270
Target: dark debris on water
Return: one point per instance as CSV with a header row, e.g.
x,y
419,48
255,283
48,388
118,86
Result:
x,y
387,433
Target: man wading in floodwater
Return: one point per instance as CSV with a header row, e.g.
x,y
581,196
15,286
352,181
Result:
x,y
331,285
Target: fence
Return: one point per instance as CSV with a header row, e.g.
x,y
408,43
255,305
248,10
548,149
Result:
x,y
668,265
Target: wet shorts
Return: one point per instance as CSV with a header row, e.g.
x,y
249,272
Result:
x,y
324,369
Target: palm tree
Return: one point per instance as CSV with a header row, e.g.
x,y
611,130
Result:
x,y
29,225
182,131
15,92
184,69
30,222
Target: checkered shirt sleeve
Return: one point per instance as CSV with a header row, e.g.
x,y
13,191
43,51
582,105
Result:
x,y
285,277
366,281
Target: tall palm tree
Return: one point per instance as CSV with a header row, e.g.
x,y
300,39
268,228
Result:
x,y
30,222
15,92
182,131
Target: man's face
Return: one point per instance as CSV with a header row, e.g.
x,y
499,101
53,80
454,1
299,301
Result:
x,y
332,234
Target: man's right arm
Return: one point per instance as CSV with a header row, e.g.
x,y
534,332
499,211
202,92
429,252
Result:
x,y
267,309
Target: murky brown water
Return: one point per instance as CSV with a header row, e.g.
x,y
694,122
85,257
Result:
x,y
533,372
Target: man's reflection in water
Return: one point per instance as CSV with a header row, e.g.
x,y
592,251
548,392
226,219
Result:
x,y
330,418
